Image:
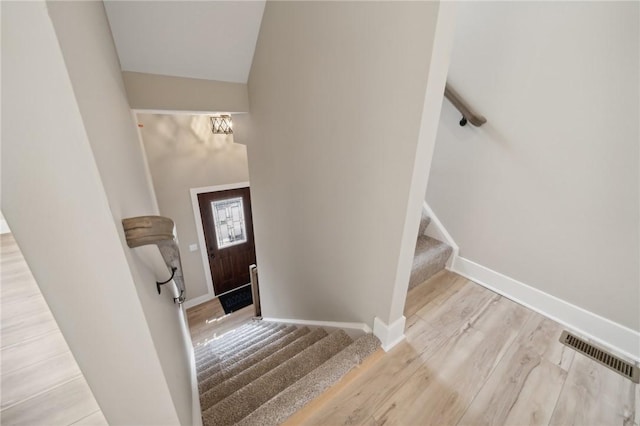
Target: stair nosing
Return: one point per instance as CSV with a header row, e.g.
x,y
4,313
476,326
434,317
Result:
x,y
309,336
238,333
222,366
233,346
316,348
318,385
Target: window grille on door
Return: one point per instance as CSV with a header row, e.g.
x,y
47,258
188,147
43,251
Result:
x,y
228,218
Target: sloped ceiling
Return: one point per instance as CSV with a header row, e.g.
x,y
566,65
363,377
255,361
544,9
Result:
x,y
212,40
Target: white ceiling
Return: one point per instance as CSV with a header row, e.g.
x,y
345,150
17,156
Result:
x,y
213,40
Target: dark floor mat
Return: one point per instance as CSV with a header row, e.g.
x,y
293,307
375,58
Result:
x,y
236,299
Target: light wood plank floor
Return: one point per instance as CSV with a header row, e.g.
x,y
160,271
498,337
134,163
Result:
x,y
208,321
474,357
40,381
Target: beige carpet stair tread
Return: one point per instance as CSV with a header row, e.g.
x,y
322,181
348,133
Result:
x,y
245,356
226,336
210,365
245,400
285,336
279,408
224,347
264,372
209,397
430,257
241,344
425,220
260,352
228,339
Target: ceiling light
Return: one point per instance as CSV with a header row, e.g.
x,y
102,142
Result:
x,y
221,125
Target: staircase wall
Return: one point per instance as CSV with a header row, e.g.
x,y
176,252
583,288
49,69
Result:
x,y
547,192
72,168
336,96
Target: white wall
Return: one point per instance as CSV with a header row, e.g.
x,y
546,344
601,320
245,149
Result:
x,y
71,169
94,70
182,153
336,97
547,191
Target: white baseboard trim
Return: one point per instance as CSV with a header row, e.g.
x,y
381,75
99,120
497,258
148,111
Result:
x,y
190,303
359,326
438,231
196,412
595,328
389,335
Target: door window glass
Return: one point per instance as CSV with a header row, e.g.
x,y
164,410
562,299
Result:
x,y
228,217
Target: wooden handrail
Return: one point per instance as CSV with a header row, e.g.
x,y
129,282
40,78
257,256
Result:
x,y
158,230
468,114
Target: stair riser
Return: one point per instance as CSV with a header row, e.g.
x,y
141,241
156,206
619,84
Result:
x,y
275,411
199,350
245,359
231,340
207,363
243,355
430,257
209,397
247,399
424,223
226,362
235,346
264,374
427,271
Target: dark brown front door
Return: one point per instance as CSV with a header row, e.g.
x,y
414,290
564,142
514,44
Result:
x,y
228,233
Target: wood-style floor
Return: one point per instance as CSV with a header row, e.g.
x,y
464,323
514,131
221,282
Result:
x,y
40,381
208,321
472,357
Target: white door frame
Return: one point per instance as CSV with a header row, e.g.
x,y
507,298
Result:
x,y
200,231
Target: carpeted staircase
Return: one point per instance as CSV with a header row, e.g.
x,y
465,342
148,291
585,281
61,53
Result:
x,y
263,372
430,256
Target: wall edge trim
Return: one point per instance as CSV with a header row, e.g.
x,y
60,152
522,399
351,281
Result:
x,y
389,334
196,412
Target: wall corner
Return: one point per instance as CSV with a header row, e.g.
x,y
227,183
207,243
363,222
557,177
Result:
x,y
389,334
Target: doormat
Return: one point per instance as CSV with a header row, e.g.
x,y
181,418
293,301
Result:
x,y
236,299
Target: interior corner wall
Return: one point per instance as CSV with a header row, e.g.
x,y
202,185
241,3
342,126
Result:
x,y
90,56
336,95
547,192
54,197
182,153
